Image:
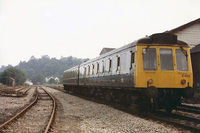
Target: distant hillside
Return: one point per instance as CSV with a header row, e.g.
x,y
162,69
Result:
x,y
46,66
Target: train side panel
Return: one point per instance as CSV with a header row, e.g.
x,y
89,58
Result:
x,y
71,77
115,70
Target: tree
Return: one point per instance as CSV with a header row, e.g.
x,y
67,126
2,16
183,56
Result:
x,y
12,72
38,79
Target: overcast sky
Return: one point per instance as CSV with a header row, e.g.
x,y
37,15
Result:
x,y
81,28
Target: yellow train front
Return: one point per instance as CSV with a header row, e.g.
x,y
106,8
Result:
x,y
151,73
163,66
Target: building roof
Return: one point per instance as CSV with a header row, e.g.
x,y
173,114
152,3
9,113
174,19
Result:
x,y
105,50
182,27
196,49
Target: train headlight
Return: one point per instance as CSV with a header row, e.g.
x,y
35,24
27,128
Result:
x,y
183,81
150,81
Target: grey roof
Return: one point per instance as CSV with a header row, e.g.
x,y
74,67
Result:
x,y
105,50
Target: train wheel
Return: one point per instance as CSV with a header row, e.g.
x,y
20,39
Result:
x,y
169,105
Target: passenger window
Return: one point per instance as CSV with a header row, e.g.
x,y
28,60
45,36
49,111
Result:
x,y
118,63
181,60
132,60
92,69
97,67
166,59
88,70
149,59
110,65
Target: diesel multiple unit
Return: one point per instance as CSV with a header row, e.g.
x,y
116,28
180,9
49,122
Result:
x,y
151,73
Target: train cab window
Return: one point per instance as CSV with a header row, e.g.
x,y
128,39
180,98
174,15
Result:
x,y
181,60
166,59
149,59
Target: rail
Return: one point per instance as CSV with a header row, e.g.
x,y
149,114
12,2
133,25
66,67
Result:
x,y
21,112
52,112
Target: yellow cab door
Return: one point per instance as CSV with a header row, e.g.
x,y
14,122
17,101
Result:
x,y
162,66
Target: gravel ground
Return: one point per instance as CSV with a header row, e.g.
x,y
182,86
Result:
x,y
77,115
11,105
35,119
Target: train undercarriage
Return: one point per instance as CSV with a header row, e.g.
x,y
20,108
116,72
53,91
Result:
x,y
139,100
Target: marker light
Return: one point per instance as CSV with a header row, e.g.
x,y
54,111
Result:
x,y
183,81
150,81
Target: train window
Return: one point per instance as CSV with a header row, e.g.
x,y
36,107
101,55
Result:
x,y
88,70
118,63
149,59
92,69
166,59
132,60
123,62
110,65
181,60
97,67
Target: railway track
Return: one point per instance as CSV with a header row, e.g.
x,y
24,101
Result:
x,y
186,117
177,119
14,92
190,109
36,117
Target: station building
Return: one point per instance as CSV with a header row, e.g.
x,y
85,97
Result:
x,y
190,33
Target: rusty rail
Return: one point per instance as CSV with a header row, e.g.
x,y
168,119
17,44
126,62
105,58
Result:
x,y
21,112
52,112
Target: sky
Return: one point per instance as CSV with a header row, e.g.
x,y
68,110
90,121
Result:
x,y
81,28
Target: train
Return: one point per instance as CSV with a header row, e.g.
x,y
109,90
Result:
x,y
152,73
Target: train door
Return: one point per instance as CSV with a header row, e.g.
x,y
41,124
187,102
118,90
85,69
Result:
x,y
166,65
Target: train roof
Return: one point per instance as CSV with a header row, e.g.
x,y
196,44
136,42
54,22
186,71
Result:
x,y
155,39
166,39
162,39
72,68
